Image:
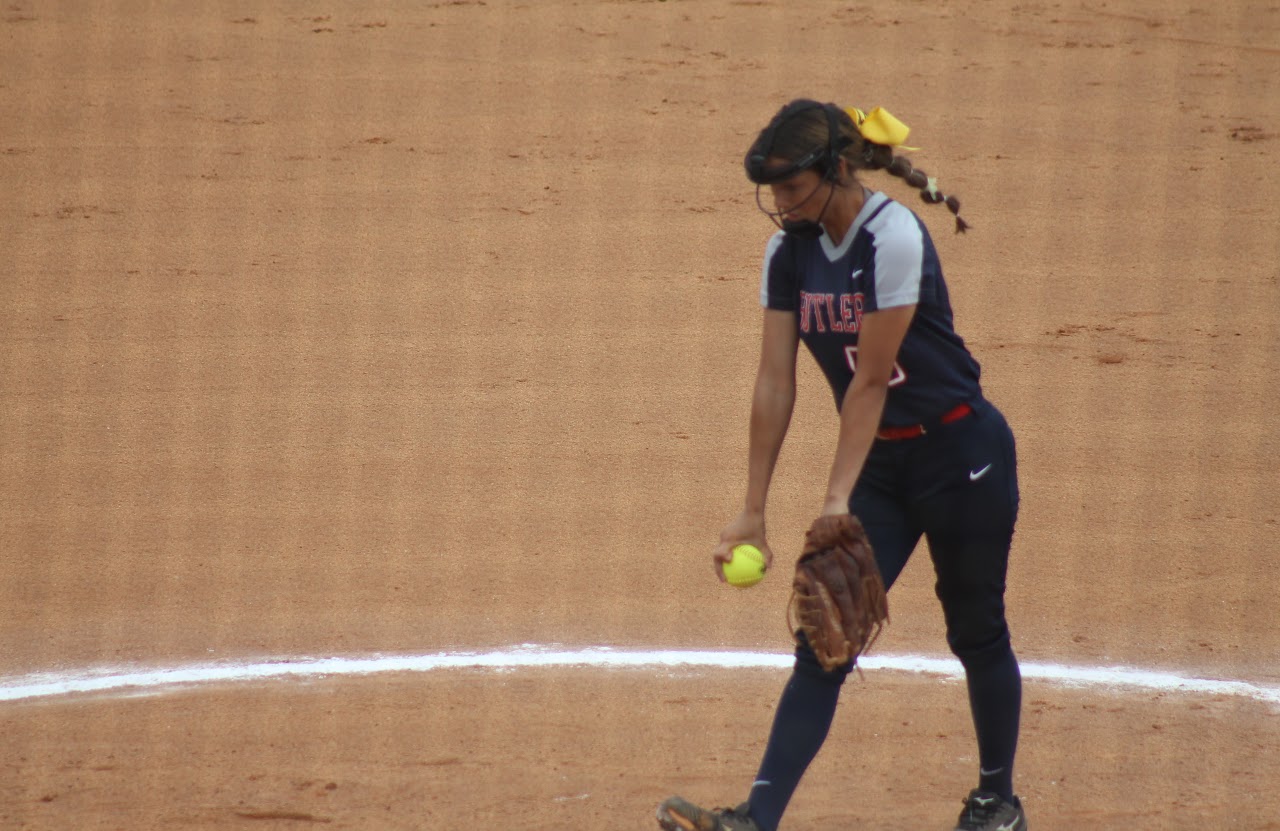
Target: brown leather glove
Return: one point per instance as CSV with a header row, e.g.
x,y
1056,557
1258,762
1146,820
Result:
x,y
837,598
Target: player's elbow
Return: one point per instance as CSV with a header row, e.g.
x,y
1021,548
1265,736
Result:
x,y
776,379
775,391
869,388
872,380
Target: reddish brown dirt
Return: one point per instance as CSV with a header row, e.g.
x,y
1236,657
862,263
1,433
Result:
x,y
428,326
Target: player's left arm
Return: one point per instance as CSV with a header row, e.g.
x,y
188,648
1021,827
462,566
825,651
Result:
x,y
879,340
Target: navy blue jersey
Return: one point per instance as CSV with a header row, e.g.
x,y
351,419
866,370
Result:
x,y
886,259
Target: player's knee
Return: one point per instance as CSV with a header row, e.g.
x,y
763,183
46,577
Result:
x,y
977,650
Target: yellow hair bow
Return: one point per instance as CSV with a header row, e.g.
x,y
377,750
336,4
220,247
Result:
x,y
880,127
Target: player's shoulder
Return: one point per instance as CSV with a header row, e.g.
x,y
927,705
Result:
x,y
778,275
894,219
896,228
779,242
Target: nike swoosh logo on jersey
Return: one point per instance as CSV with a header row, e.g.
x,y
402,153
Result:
x,y
857,272
975,475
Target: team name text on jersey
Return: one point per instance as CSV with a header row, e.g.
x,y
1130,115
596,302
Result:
x,y
823,312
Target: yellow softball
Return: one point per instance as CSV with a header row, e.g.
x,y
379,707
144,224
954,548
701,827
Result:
x,y
746,568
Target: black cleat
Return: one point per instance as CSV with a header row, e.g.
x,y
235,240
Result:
x,y
985,811
677,814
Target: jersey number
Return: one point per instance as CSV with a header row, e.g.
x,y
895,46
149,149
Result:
x,y
851,354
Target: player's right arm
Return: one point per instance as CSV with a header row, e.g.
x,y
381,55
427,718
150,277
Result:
x,y
772,405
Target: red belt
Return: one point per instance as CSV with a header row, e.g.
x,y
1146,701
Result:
x,y
913,431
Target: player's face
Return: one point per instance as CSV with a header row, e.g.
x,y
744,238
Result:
x,y
795,198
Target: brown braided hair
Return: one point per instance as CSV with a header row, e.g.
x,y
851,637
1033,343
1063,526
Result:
x,y
880,157
807,129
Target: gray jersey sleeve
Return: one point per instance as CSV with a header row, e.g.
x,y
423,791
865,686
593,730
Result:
x,y
777,277
899,257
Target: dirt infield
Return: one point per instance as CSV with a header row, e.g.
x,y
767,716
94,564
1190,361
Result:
x,y
416,327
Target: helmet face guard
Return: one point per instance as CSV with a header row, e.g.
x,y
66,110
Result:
x,y
802,228
827,157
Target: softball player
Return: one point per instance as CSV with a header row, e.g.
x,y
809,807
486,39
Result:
x,y
854,276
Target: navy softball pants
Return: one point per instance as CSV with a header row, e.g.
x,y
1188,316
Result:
x,y
957,487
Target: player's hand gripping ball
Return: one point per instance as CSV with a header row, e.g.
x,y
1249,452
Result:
x,y
746,568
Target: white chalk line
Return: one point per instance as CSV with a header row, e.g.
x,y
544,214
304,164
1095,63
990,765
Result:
x,y
134,681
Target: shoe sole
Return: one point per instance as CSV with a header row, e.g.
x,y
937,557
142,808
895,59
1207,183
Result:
x,y
669,822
